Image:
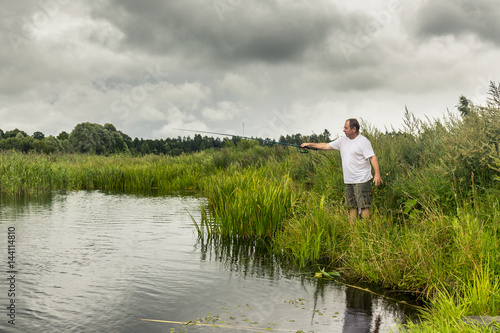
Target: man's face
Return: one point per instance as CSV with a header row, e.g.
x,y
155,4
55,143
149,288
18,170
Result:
x,y
349,131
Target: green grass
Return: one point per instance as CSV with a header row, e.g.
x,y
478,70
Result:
x,y
478,295
247,204
435,221
36,174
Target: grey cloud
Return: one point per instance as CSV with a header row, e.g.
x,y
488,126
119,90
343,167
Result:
x,y
260,31
459,17
153,65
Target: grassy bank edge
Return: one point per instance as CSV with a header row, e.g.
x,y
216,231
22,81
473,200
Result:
x,y
420,249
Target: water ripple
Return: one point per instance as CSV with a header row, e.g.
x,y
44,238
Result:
x,y
99,262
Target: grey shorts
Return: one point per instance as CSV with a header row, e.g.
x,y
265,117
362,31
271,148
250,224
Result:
x,y
358,195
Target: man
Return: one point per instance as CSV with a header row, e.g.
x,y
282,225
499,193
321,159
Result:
x,y
357,153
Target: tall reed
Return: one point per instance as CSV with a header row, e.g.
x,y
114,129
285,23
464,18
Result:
x,y
247,204
313,234
35,174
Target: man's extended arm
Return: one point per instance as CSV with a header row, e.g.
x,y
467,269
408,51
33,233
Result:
x,y
319,146
376,179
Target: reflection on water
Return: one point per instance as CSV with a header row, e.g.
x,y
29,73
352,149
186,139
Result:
x,y
358,315
101,262
242,256
326,306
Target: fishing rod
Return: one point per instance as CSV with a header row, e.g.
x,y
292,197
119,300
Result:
x,y
249,138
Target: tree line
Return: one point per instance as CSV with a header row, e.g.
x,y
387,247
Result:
x,y
105,139
91,138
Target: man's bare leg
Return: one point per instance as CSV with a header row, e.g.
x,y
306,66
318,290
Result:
x,y
353,214
365,213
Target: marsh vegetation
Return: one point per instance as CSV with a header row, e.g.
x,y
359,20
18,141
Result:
x,y
435,226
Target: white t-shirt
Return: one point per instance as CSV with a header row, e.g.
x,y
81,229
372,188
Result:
x,y
355,156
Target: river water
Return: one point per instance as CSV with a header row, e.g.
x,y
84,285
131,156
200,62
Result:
x,y
91,261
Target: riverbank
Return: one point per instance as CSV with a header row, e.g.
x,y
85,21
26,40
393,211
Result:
x,y
435,222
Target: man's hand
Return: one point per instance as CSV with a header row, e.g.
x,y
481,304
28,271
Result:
x,y
377,180
316,146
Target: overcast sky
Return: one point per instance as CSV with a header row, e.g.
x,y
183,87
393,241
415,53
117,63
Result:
x,y
261,68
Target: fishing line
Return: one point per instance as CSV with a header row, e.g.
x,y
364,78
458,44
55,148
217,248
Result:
x,y
383,296
251,329
304,150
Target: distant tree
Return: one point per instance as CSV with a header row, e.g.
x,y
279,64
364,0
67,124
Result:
x,y
314,138
197,141
10,143
120,145
97,139
127,139
85,138
145,150
325,137
32,144
67,146
14,133
28,143
1,134
63,136
53,145
167,148
38,135
176,151
110,127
